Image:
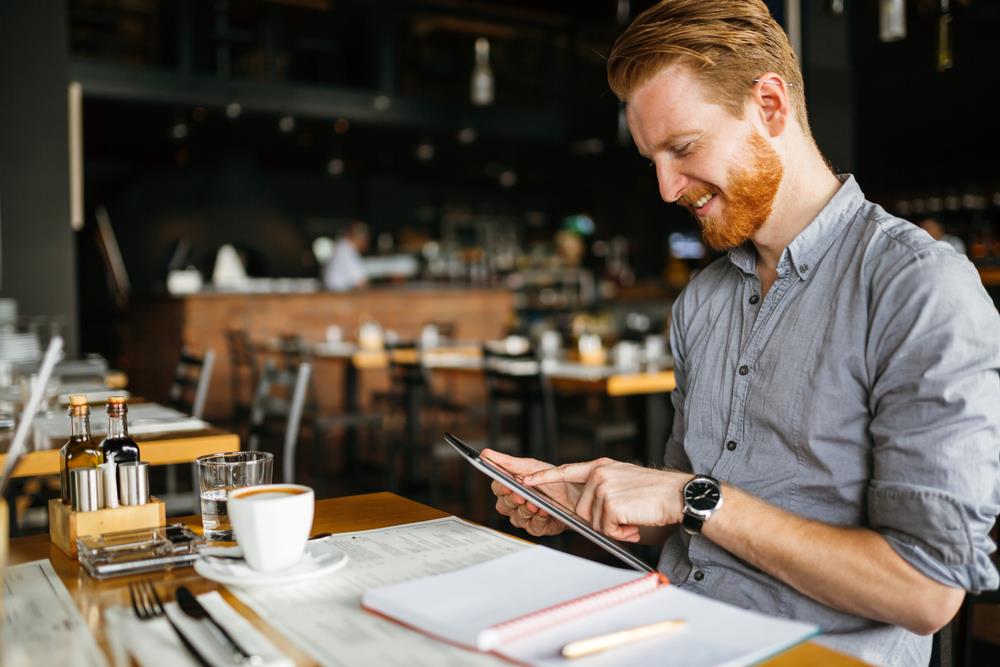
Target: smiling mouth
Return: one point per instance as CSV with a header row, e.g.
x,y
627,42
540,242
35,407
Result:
x,y
704,199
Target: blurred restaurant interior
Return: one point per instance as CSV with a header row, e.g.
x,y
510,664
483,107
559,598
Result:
x,y
175,176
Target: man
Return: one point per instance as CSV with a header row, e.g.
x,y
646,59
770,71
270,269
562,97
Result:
x,y
934,227
346,270
837,370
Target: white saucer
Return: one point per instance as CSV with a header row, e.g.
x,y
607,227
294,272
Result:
x,y
320,557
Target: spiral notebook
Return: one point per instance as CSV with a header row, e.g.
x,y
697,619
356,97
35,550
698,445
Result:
x,y
524,607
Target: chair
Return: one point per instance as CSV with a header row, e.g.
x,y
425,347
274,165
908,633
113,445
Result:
x,y
280,393
413,392
516,385
192,378
294,351
243,372
601,430
287,393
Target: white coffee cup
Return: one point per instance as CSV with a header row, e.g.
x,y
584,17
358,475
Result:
x,y
271,523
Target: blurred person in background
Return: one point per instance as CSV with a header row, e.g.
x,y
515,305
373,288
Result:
x,y
346,270
934,227
837,369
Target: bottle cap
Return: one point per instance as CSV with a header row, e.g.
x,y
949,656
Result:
x,y
77,399
117,405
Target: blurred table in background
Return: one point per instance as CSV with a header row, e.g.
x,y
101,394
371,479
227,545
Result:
x,y
159,449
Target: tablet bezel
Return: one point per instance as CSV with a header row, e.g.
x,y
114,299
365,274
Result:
x,y
536,496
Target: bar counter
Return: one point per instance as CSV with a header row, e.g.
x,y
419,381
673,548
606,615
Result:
x,y
159,326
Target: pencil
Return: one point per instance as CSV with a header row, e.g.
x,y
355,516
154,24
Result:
x,y
591,645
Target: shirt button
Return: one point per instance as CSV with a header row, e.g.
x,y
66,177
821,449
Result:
x,y
754,299
731,445
804,268
698,575
744,370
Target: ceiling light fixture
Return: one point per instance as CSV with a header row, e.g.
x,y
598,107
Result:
x,y
466,135
335,167
481,88
425,151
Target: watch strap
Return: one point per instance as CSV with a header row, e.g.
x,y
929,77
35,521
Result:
x,y
692,524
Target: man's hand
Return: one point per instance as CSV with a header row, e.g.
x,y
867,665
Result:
x,y
522,513
618,498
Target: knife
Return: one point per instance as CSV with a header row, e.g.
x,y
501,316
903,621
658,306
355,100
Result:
x,y
189,604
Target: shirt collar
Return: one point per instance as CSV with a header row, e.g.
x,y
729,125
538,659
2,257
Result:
x,y
744,257
812,242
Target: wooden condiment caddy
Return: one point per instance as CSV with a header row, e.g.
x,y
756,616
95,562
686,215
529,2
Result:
x,y
65,525
4,533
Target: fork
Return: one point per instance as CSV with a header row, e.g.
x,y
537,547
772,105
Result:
x,y
147,605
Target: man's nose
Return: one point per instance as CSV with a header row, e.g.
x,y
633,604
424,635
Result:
x,y
671,182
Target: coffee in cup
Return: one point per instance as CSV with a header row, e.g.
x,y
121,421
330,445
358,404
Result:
x,y
271,523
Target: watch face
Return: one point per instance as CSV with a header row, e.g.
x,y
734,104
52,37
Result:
x,y
701,494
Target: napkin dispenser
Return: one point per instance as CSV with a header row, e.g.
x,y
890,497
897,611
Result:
x,y
65,525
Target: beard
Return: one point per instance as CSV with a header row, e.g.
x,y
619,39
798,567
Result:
x,y
749,198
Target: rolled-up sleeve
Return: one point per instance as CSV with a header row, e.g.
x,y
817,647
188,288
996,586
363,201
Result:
x,y
934,355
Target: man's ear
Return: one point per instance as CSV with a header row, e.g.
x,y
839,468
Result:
x,y
771,102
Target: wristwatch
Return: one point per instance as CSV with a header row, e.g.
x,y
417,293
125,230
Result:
x,y
702,497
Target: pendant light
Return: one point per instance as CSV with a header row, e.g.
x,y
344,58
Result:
x,y
482,85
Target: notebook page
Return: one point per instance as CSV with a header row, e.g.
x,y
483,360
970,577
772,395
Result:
x,y
717,634
458,606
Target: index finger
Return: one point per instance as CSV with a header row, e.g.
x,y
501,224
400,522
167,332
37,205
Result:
x,y
514,465
568,472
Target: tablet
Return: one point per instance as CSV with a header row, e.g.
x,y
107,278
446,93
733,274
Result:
x,y
553,507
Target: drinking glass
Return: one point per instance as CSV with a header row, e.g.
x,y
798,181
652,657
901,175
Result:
x,y
218,475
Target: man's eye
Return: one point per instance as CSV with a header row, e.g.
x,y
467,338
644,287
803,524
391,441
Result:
x,y
683,149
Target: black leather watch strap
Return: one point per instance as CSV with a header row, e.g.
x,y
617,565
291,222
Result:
x,y
692,524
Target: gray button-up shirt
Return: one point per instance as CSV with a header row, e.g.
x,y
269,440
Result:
x,y
862,390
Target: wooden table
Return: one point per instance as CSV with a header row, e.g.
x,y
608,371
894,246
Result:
x,y
157,449
335,515
648,388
